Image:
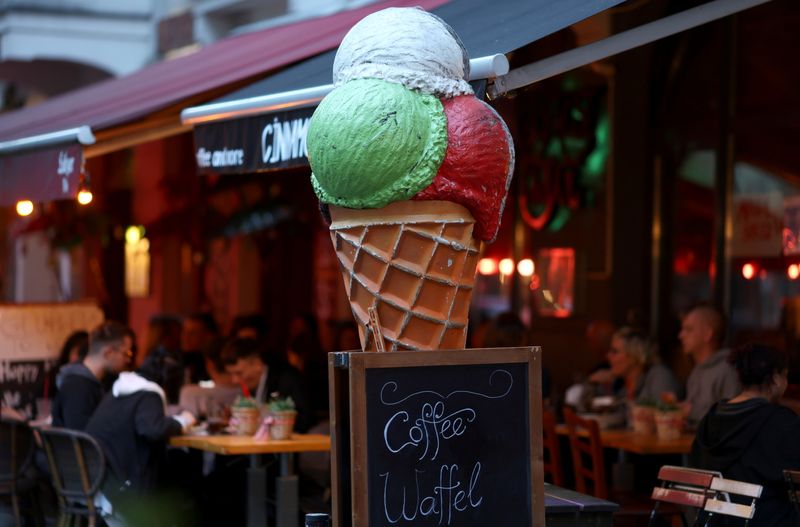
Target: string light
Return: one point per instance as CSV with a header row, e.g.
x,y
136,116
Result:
x,y
506,266
526,267
793,271
487,266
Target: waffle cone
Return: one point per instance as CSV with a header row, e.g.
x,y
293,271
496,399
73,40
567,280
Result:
x,y
414,263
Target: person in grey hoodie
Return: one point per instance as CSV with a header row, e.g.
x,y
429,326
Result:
x,y
750,437
712,378
79,384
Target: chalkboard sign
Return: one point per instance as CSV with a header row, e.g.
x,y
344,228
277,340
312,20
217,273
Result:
x,y
445,438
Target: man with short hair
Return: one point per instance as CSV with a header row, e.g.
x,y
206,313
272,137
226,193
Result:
x,y
79,384
244,362
712,377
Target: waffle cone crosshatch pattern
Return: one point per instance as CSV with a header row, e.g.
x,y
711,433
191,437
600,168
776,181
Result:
x,y
414,263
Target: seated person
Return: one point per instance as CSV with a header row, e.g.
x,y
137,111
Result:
x,y
633,359
132,429
79,384
750,438
712,378
245,363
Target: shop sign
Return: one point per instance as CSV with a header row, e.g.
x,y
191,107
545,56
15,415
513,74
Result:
x,y
40,175
253,144
757,225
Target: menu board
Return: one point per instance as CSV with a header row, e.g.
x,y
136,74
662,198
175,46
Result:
x,y
445,438
31,336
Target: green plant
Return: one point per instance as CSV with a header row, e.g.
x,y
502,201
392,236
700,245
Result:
x,y
648,403
244,402
281,404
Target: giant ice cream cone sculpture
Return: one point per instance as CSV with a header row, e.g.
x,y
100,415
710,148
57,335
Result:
x,y
414,170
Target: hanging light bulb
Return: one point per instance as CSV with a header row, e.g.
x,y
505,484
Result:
x,y
24,207
748,271
85,195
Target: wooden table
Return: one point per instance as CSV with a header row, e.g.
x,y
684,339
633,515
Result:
x,y
286,485
636,443
627,441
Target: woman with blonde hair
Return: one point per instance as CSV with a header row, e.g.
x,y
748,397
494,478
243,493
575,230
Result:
x,y
632,358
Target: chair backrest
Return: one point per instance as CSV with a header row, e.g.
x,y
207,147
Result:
x,y
77,464
684,486
17,446
792,478
552,462
587,455
724,490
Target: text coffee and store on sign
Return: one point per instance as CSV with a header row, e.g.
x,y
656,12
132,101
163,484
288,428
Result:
x,y
253,144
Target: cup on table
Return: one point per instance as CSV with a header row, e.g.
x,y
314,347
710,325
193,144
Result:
x,y
669,424
643,419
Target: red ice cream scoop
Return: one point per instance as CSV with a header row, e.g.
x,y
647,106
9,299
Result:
x,y
478,163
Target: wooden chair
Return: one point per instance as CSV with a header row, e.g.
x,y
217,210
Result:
x,y
552,463
587,455
77,467
686,487
17,447
792,478
721,503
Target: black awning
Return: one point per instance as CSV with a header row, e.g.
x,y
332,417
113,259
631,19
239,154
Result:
x,y
486,27
277,140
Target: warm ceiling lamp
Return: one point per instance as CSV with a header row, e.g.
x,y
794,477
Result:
x,y
487,266
506,266
748,271
525,267
25,207
793,271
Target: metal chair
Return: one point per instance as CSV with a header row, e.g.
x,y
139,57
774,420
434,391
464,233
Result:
x,y
552,464
792,478
17,447
686,487
77,467
721,504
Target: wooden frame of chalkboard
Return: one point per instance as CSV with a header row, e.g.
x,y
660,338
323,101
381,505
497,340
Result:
x,y
437,438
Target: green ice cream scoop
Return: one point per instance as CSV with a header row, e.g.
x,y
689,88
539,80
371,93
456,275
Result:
x,y
372,142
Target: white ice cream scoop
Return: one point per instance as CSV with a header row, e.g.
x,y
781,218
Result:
x,y
407,46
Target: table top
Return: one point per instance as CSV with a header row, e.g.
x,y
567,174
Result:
x,y
558,500
637,443
240,445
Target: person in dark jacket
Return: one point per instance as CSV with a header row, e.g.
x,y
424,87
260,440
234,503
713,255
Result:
x,y
132,428
266,379
80,387
750,437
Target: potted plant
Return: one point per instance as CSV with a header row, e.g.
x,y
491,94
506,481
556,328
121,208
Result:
x,y
245,415
283,413
669,420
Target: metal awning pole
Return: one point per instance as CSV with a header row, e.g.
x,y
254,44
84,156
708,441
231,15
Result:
x,y
487,67
82,135
633,38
